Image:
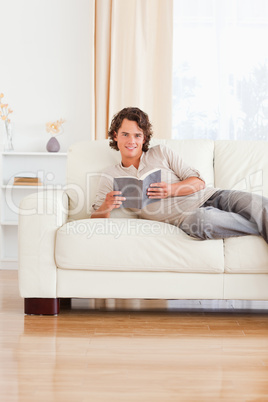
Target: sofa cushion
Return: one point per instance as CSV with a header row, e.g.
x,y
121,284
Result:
x,y
196,153
246,254
242,165
134,245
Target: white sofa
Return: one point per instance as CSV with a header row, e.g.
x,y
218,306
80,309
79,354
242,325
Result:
x,y
64,254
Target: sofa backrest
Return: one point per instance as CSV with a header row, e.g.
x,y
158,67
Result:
x,y
242,165
87,159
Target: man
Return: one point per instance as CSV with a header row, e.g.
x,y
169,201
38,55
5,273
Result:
x,y
184,200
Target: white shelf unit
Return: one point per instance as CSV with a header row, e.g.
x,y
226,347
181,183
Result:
x,y
49,167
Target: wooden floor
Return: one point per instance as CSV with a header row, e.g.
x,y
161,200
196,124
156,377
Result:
x,y
133,351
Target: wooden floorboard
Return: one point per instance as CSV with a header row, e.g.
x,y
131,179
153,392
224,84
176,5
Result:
x,y
133,350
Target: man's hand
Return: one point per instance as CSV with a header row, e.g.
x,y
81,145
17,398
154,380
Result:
x,y
182,188
159,190
112,200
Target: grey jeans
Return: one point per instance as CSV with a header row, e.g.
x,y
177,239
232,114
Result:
x,y
229,213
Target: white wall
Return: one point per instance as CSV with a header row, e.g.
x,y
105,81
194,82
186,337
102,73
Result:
x,y
45,68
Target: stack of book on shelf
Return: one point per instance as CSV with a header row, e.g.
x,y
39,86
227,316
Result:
x,y
27,181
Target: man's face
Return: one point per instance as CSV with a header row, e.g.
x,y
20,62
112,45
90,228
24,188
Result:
x,y
130,139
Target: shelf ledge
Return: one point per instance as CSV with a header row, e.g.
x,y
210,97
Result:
x,y
48,186
9,223
34,153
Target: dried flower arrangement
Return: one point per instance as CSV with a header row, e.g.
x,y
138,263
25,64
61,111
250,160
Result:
x,y
5,111
55,128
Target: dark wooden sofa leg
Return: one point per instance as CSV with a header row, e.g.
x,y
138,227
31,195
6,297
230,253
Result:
x,y
41,306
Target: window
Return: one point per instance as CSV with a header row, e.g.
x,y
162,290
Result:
x,y
220,69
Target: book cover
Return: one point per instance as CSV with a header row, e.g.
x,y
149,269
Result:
x,y
27,178
134,189
27,181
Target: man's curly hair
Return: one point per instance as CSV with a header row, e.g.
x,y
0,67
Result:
x,y
132,114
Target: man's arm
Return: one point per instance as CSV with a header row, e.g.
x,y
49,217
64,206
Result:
x,y
112,201
185,187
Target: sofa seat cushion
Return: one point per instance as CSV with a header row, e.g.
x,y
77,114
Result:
x,y
134,245
246,255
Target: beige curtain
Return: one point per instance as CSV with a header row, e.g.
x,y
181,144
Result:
x,y
133,62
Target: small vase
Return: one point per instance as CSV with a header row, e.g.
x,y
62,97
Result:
x,y
8,144
53,145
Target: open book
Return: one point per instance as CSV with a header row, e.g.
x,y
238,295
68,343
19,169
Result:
x,y
134,189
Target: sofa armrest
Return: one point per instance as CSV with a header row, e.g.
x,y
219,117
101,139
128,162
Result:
x,y
40,215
